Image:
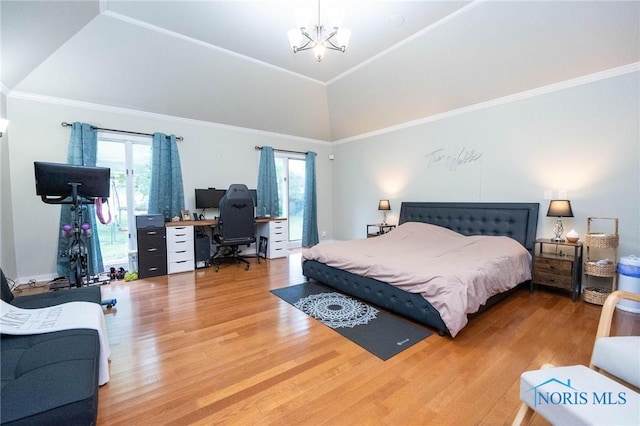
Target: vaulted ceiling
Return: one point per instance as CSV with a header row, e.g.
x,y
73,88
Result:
x,y
229,62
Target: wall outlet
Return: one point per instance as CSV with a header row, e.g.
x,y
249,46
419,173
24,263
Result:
x,y
548,194
562,194
324,233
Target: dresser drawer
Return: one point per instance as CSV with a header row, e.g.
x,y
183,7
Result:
x,y
276,250
150,240
180,255
179,234
180,266
552,280
149,221
278,227
180,246
180,249
553,266
152,252
152,265
277,234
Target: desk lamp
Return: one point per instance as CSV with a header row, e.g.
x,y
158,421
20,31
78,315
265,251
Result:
x,y
385,206
559,209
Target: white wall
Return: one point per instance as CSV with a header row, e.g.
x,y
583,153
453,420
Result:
x,y
7,255
210,156
583,139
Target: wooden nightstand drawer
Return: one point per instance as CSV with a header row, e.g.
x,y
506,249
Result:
x,y
554,266
553,280
558,267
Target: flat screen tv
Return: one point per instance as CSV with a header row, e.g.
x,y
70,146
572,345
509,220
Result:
x,y
53,179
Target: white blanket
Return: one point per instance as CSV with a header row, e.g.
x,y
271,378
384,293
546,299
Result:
x,y
66,316
455,273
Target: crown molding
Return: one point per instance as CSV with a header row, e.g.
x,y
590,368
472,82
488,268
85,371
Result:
x,y
556,87
155,116
590,78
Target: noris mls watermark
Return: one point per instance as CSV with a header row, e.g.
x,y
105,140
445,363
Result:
x,y
564,393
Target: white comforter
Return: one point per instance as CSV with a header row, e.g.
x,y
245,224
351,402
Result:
x,y
455,273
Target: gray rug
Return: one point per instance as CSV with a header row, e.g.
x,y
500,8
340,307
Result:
x,y
379,332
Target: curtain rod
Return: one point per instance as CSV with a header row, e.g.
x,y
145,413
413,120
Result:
x,y
65,124
259,148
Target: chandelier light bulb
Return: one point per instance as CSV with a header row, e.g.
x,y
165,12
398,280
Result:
x,y
318,52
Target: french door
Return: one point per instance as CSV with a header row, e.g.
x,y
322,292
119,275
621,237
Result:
x,y
290,171
129,158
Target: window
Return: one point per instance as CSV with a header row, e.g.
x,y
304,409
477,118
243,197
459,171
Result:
x,y
129,158
290,170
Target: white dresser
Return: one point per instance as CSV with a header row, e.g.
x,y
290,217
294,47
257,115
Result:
x,y
180,251
277,234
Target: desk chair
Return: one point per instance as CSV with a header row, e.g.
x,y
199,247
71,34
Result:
x,y
614,369
236,226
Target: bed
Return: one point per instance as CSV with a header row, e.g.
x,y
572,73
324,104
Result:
x,y
517,221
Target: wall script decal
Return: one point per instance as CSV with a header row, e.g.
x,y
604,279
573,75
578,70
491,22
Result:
x,y
452,160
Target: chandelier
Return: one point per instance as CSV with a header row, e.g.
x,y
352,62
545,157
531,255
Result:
x,y
320,41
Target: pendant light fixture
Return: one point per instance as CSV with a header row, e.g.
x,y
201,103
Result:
x,y
319,40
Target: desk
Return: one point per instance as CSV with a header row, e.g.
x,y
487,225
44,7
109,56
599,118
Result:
x,y
214,222
273,229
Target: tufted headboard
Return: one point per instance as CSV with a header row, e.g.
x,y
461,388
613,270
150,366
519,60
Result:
x,y
516,220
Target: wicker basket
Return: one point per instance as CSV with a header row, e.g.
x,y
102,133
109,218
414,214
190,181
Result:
x,y
596,295
600,270
600,239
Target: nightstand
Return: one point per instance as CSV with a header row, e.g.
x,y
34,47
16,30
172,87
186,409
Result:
x,y
557,269
376,229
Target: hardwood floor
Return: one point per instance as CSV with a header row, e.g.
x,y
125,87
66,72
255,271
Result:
x,y
218,348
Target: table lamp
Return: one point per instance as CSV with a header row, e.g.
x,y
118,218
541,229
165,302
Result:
x,y
385,206
559,209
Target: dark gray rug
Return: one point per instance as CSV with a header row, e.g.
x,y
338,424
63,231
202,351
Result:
x,y
380,332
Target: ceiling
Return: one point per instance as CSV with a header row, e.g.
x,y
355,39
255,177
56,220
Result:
x,y
193,59
253,29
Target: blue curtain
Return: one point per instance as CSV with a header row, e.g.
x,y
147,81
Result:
x,y
83,149
166,194
310,211
267,196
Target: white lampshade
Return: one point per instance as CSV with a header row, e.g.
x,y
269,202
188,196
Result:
x,y
318,51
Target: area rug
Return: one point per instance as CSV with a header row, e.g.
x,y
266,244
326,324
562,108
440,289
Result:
x,y
379,332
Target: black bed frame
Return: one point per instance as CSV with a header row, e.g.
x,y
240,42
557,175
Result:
x,y
516,220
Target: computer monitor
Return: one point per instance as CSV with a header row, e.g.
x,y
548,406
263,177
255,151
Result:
x,y
53,180
217,196
205,199
254,195
209,198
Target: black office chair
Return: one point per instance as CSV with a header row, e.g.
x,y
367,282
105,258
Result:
x,y
236,226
